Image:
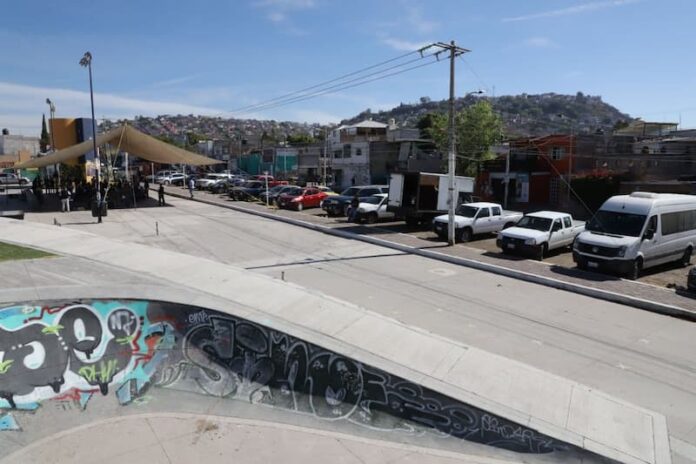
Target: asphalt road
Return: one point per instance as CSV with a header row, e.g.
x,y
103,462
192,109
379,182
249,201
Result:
x,y
645,358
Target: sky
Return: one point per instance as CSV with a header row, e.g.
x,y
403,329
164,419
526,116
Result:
x,y
215,57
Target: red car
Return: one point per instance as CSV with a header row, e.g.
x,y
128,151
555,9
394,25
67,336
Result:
x,y
272,182
300,198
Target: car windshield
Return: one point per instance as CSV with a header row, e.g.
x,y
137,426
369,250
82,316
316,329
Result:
x,y
372,200
615,223
467,211
350,192
534,222
255,185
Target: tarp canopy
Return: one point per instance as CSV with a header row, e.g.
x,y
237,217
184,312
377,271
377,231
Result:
x,y
126,139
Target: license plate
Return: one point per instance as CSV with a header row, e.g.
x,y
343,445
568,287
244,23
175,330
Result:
x,y
511,246
592,264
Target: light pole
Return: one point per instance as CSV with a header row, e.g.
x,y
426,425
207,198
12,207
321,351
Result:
x,y
86,62
52,109
570,154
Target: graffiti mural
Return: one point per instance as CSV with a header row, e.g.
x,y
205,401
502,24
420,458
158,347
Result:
x,y
70,351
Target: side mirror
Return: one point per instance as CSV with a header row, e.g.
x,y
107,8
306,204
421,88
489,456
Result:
x,y
649,234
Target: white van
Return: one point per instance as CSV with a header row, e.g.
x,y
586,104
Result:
x,y
633,232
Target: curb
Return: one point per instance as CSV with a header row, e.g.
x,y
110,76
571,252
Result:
x,y
605,295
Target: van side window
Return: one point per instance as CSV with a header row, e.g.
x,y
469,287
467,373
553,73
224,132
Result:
x,y
483,212
673,223
567,222
495,211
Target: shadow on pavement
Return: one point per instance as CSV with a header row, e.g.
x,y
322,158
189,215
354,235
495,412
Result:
x,y
586,275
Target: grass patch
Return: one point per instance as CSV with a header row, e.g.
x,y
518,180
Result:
x,y
12,252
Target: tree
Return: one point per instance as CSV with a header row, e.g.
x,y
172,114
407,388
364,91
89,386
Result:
x,y
478,128
44,141
300,139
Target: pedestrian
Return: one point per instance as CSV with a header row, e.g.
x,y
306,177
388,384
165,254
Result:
x,y
160,195
147,189
64,200
354,204
191,186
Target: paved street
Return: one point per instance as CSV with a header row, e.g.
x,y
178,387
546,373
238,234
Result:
x,y
639,356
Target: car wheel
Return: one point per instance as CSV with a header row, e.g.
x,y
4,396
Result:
x,y
634,273
542,251
346,210
300,206
372,218
686,257
166,182
465,235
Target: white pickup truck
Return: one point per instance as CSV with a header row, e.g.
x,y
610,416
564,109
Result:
x,y
476,218
537,233
373,209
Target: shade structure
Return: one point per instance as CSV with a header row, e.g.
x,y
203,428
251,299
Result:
x,y
127,139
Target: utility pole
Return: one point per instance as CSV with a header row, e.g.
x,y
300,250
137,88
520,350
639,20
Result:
x,y
507,179
52,109
454,52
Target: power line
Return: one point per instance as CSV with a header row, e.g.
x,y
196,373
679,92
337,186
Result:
x,y
342,86
322,84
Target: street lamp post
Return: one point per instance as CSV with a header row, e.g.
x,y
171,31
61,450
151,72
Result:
x,y
52,109
86,61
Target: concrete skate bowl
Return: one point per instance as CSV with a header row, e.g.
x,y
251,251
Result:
x,y
64,364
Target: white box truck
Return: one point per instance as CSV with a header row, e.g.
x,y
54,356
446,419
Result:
x,y
418,197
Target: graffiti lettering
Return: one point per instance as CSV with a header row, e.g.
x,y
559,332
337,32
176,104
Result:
x,y
67,352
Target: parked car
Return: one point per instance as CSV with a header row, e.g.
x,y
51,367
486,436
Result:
x,y
476,218
270,180
691,280
12,178
327,190
171,178
300,198
205,182
249,191
538,233
632,232
373,209
337,205
272,194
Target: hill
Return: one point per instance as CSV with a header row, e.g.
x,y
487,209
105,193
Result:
x,y
522,115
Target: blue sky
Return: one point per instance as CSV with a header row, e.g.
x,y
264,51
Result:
x,y
212,56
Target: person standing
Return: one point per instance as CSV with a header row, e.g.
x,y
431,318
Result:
x,y
191,186
354,204
64,200
160,195
147,189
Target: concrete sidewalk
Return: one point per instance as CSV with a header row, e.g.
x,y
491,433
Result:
x,y
550,404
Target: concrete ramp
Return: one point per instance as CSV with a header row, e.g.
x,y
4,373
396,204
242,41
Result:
x,y
65,353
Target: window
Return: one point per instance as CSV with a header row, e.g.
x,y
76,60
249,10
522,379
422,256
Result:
x,y
369,191
358,152
484,213
496,211
567,222
556,225
338,154
673,223
346,151
557,153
